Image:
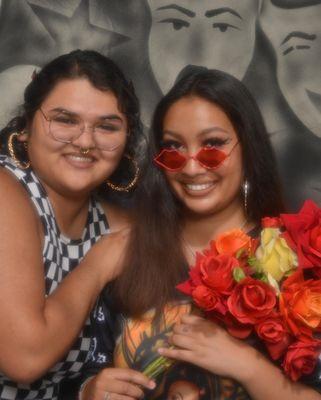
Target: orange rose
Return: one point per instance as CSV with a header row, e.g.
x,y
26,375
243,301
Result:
x,y
231,242
300,303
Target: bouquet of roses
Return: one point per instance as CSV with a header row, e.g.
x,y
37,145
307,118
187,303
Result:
x,y
269,287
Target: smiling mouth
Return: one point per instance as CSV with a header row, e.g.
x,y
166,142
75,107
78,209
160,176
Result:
x,y
198,187
315,99
80,160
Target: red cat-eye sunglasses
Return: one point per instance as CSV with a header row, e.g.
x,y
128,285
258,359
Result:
x,y
209,157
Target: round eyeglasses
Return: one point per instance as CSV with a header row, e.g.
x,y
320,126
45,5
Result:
x,y
66,128
209,157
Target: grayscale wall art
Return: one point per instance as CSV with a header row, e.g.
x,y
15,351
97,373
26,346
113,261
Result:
x,y
274,46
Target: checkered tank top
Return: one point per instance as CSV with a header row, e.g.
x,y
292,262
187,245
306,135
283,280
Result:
x,y
60,256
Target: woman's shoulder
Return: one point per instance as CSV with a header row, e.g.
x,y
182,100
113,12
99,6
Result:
x,y
11,185
14,196
16,208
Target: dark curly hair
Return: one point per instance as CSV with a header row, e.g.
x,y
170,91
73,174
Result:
x,y
102,73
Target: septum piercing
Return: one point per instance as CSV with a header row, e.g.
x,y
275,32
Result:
x,y
84,151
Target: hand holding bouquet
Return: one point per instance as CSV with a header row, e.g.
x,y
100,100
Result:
x,y
269,287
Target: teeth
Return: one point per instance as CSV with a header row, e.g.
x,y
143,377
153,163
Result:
x,y
80,158
199,186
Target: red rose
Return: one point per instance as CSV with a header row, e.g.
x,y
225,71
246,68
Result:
x,y
275,336
235,328
208,299
251,301
186,287
212,270
271,222
303,234
301,358
194,280
216,272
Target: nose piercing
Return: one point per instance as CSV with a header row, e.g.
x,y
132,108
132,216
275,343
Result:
x,y
84,151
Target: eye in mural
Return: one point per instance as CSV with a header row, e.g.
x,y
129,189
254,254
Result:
x,y
212,33
294,30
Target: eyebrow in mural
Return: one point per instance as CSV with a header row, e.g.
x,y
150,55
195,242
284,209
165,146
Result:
x,y
184,10
289,4
218,11
300,35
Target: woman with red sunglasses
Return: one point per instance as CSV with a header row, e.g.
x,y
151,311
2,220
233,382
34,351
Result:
x,y
210,169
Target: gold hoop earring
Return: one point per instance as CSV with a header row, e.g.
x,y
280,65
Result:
x,y
132,183
20,164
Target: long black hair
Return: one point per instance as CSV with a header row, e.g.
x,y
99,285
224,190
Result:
x,y
236,101
155,260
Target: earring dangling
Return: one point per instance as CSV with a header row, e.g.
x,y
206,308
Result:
x,y
245,188
132,183
20,164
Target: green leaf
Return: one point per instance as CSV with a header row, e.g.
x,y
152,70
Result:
x,y
260,276
289,273
239,253
253,262
264,278
238,274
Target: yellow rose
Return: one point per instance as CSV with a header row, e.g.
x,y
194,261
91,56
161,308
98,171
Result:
x,y
274,255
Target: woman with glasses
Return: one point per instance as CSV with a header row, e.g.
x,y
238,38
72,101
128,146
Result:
x,y
69,149
210,169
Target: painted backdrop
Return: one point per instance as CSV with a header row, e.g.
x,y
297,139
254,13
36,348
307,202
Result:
x,y
274,46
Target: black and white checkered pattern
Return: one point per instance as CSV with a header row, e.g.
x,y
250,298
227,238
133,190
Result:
x,y
60,256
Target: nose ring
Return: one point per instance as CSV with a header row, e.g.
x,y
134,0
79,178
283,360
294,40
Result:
x,y
84,151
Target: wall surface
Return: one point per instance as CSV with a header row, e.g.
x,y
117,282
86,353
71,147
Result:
x,y
274,46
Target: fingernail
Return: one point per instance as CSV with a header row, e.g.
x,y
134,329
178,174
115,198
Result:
x,y
151,384
160,350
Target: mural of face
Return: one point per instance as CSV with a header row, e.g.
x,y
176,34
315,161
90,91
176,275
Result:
x,y
216,34
295,33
